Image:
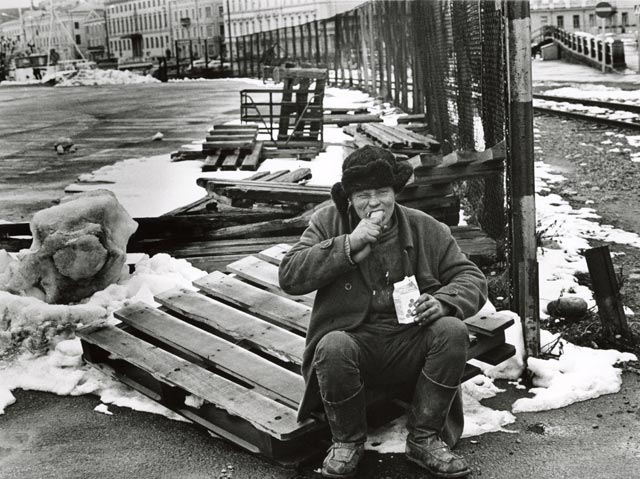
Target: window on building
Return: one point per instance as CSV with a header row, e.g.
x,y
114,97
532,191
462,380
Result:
x,y
576,21
624,19
76,25
222,29
146,42
592,20
560,21
221,10
207,12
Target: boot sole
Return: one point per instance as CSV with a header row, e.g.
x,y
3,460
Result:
x,y
442,475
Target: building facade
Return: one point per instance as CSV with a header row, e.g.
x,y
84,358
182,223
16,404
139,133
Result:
x,y
251,16
62,30
95,31
580,16
198,27
138,29
148,29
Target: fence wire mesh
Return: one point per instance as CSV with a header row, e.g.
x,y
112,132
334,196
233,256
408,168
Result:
x,y
443,58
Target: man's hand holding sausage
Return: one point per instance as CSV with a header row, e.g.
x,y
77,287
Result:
x,y
366,233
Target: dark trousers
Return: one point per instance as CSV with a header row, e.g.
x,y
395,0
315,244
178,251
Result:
x,y
384,354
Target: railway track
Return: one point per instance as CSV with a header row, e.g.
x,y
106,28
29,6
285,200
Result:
x,y
623,115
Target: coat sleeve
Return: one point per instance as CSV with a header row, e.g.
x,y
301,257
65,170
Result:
x,y
315,260
464,286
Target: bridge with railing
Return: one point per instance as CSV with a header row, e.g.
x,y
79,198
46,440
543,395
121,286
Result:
x,y
579,47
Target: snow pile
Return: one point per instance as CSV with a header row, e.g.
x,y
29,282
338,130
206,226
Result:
x,y
79,247
94,77
577,375
37,340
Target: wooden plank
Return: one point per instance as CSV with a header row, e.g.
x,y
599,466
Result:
x,y
263,413
228,145
444,174
230,160
239,137
418,117
264,274
334,110
488,323
498,354
233,323
211,162
274,254
350,119
206,349
267,193
245,127
259,174
295,176
252,160
274,175
237,248
264,304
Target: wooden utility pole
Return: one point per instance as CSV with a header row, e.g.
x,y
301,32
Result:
x,y
524,266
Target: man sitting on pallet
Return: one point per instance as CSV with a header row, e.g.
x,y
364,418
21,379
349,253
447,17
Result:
x,y
352,253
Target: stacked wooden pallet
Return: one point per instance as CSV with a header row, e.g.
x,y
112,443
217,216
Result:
x,y
228,356
437,200
398,139
229,147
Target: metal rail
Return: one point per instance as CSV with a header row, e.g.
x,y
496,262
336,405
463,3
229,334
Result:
x,y
602,119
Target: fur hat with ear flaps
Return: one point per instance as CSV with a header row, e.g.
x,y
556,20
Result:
x,y
369,167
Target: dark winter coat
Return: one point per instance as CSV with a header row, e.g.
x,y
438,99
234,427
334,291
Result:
x,y
319,262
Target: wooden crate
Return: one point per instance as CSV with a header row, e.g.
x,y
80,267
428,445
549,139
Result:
x,y
228,356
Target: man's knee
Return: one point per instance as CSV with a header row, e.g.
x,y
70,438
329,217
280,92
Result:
x,y
450,330
336,347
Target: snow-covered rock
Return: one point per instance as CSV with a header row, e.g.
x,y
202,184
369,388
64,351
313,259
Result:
x,y
79,247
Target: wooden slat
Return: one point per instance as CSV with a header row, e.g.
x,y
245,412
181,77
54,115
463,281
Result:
x,y
252,160
274,254
265,274
295,176
488,323
207,349
211,162
273,176
245,128
238,137
264,304
230,145
263,413
230,161
233,323
498,354
350,119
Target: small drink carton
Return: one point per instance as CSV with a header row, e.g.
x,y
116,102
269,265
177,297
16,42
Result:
x,y
405,294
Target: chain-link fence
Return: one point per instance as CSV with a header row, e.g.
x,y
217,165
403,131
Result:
x,y
443,58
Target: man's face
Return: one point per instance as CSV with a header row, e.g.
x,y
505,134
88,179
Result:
x,y
366,202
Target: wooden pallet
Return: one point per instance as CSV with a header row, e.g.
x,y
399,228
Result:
x,y
292,117
228,356
397,139
436,199
230,147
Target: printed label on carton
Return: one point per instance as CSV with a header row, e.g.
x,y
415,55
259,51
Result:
x,y
405,294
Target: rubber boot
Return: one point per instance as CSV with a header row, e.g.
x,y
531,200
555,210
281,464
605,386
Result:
x,y
348,422
425,423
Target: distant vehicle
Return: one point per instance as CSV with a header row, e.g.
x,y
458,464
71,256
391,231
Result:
x,y
200,64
